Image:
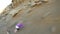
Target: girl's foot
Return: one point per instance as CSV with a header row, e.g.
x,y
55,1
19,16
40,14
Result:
x,y
15,30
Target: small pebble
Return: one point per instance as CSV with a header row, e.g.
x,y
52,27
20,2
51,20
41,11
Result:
x,y
53,29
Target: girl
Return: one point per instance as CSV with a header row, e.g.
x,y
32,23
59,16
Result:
x,y
19,26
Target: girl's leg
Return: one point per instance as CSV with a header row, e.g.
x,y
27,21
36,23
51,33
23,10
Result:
x,y
16,29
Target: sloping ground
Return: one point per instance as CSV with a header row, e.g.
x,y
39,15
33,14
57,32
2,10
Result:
x,y
44,19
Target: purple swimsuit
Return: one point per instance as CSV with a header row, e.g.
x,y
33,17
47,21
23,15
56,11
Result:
x,y
20,25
